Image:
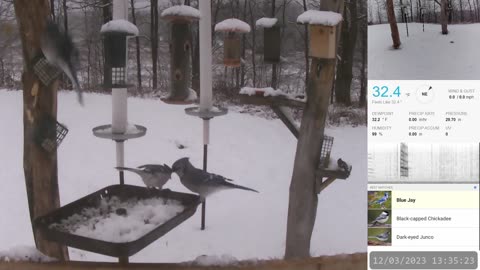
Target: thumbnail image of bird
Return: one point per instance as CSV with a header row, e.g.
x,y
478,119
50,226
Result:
x,y
381,219
382,237
381,201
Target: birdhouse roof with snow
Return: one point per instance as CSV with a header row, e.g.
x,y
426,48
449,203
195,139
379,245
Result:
x,y
317,17
181,12
232,25
266,22
119,27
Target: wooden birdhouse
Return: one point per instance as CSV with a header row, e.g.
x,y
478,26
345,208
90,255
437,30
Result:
x,y
180,18
231,45
271,39
323,32
115,34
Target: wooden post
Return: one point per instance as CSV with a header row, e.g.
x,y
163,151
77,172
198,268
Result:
x,y
180,48
302,208
40,167
303,200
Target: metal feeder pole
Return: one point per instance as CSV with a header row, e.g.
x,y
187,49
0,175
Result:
x,y
119,96
205,80
119,104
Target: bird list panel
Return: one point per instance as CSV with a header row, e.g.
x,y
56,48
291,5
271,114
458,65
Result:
x,y
423,174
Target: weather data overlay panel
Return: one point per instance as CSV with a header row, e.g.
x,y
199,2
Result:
x,y
423,174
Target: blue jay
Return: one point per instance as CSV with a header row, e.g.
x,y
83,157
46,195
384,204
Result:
x,y
381,219
382,200
59,50
382,237
153,176
201,182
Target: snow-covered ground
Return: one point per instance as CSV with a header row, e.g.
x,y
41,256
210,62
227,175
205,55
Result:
x,y
424,55
254,151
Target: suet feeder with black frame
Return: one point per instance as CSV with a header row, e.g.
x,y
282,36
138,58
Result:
x,y
232,29
115,34
271,40
46,72
49,133
181,19
322,27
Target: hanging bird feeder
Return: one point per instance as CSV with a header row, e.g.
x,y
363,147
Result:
x,y
323,32
231,44
180,18
49,133
271,39
115,35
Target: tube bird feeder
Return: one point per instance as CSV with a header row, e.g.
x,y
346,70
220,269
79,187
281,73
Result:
x,y
271,39
323,32
180,18
115,34
231,44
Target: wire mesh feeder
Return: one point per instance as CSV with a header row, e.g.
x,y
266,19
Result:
x,y
50,134
327,145
46,72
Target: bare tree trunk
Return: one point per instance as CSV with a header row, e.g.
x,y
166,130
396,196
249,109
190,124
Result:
x,y
52,9
274,66
393,24
470,17
154,41
254,45
137,48
307,46
345,66
40,102
107,16
303,200
244,45
444,17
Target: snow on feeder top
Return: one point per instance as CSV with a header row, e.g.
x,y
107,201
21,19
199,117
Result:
x,y
323,32
271,39
231,44
181,13
181,18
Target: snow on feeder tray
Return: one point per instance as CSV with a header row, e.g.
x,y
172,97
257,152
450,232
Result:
x,y
271,39
323,32
118,220
231,44
180,18
115,35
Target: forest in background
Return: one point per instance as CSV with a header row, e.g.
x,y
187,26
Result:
x,y
149,56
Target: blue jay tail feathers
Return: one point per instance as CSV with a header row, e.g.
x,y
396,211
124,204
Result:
x,y
227,184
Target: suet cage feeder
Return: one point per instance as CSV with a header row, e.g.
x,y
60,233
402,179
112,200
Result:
x,y
327,145
232,28
46,72
180,59
116,58
49,133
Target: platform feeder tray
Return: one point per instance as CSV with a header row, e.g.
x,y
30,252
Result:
x,y
123,192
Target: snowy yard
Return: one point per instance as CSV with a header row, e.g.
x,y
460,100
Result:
x,y
424,55
253,151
